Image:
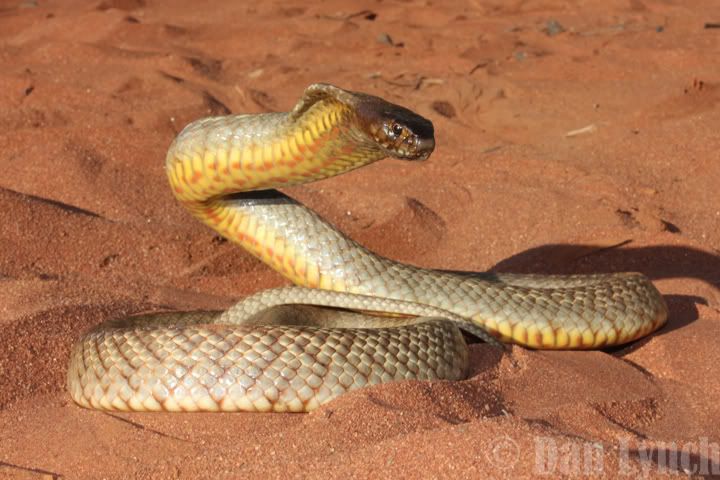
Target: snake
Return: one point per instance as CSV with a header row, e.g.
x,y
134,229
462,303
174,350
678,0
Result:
x,y
352,318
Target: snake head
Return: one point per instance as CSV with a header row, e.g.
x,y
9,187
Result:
x,y
399,132
402,133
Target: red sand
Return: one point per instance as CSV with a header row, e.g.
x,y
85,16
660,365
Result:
x,y
91,94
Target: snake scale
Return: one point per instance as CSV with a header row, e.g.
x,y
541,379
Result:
x,y
295,348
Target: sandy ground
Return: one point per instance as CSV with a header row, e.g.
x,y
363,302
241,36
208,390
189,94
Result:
x,y
92,93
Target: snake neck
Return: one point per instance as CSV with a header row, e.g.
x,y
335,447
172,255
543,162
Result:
x,y
214,162
219,156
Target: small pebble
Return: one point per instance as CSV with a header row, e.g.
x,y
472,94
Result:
x,y
553,27
385,38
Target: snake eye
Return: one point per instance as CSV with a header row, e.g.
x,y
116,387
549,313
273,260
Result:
x,y
397,129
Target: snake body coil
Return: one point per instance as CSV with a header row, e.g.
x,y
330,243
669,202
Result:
x,y
279,350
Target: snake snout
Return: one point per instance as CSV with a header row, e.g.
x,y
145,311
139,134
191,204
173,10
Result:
x,y
415,148
424,147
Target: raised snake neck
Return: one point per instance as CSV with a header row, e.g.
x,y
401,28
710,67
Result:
x,y
331,131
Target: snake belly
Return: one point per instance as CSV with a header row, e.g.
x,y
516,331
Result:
x,y
284,349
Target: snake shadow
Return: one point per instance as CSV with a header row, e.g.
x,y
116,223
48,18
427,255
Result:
x,y
657,262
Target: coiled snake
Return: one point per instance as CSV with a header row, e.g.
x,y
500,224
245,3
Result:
x,y
278,350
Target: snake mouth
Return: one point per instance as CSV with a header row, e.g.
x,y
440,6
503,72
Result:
x,y
424,147
401,142
414,150
409,146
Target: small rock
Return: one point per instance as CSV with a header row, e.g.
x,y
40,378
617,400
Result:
x,y
670,227
553,27
385,38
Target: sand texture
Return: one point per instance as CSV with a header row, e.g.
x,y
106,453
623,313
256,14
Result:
x,y
572,137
